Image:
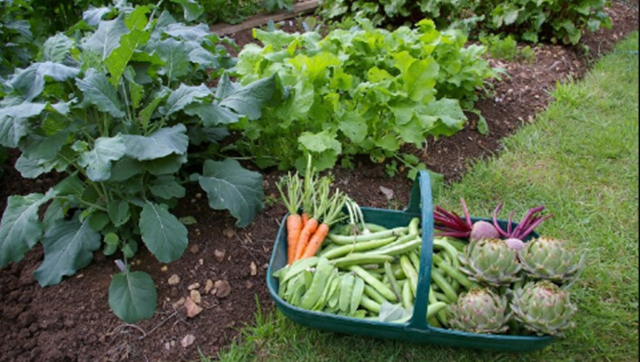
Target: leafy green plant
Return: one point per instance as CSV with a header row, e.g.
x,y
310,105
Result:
x,y
363,91
16,37
272,6
559,21
507,48
117,109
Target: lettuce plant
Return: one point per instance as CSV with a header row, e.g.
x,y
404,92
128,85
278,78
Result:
x,y
115,107
360,91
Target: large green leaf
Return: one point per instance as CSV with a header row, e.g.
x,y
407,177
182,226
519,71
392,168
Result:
x,y
190,33
161,143
166,165
163,234
118,212
132,296
191,8
213,115
419,76
449,112
229,186
98,160
167,187
107,37
30,81
13,122
174,54
184,96
56,48
20,228
93,15
118,60
68,247
99,92
247,100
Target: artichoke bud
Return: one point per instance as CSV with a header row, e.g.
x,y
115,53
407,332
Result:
x,y
550,259
490,262
480,311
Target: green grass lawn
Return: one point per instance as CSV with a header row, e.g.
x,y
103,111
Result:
x,y
580,160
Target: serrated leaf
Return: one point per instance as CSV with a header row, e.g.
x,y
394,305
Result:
x,y
30,81
247,100
483,127
162,233
419,76
98,160
99,92
20,227
166,187
450,114
107,37
93,15
175,56
132,296
13,122
184,96
231,187
118,212
56,48
119,58
354,126
205,58
191,9
319,142
68,247
161,143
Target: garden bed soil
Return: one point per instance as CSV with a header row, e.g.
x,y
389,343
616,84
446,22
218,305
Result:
x,y
72,321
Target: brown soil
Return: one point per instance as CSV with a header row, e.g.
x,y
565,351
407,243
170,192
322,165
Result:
x,y
72,321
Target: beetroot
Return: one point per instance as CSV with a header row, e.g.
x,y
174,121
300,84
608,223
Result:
x,y
450,224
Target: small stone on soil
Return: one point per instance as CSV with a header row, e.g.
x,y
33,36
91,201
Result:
x,y
253,268
195,296
194,249
174,279
187,340
219,255
164,268
223,289
191,309
193,286
208,285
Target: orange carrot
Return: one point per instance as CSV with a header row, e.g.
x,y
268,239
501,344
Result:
x,y
294,227
307,231
316,240
305,218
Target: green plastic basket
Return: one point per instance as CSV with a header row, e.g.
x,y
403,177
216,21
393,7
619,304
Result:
x,y
416,329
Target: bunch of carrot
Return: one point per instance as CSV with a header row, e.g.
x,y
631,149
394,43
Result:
x,y
306,230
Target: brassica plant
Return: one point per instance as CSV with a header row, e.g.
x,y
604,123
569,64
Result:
x,y
115,106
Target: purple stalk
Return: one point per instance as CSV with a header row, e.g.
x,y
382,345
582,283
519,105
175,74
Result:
x,y
466,212
532,226
495,222
526,220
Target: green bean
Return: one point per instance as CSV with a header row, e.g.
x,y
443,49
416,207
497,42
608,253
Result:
x,y
363,246
369,304
434,308
356,295
329,287
393,283
399,241
443,243
398,249
360,259
369,279
373,294
413,226
453,272
415,259
407,296
446,288
298,266
324,270
345,240
346,289
410,272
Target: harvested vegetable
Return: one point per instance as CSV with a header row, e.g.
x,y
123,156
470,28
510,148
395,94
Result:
x,y
490,262
291,192
525,227
550,259
480,311
544,308
451,224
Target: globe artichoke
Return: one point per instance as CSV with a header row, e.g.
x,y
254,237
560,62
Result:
x,y
491,262
550,259
480,311
543,308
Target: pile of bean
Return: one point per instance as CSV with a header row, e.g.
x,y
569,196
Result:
x,y
359,275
